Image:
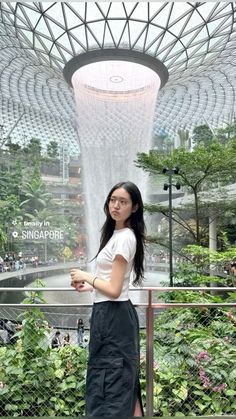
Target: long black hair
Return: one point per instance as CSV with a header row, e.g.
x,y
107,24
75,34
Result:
x,y
136,222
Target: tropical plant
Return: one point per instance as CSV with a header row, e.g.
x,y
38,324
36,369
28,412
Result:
x,y
33,149
194,351
36,195
202,134
36,380
195,354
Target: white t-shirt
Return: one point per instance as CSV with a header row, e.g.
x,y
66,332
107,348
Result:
x,y
122,242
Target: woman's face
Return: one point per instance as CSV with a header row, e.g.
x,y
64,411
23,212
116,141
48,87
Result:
x,y
120,206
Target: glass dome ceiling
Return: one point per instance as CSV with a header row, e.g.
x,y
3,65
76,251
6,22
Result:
x,y
195,41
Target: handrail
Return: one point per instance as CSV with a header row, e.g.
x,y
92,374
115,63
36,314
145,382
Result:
x,y
131,289
150,306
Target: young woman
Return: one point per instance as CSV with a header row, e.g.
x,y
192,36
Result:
x,y
112,387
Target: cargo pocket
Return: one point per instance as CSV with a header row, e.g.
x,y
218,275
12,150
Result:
x,y
105,378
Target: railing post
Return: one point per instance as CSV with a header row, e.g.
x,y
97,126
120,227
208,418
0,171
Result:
x,y
149,356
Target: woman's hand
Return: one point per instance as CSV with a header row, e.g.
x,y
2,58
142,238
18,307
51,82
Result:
x,y
77,275
78,280
82,286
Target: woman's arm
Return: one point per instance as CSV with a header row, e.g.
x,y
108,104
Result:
x,y
111,288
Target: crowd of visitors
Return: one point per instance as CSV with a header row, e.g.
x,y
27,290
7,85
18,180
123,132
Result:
x,y
58,341
8,329
14,262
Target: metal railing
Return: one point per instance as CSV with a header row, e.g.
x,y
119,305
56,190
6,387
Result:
x,y
150,307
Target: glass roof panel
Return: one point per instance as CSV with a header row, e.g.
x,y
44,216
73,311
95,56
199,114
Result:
x,y
136,29
153,33
104,6
97,28
42,27
72,17
55,51
117,11
56,13
117,27
159,14
108,40
92,42
34,17
28,34
206,9
80,34
64,42
206,30
22,21
93,12
47,42
177,28
214,42
178,10
140,12
194,21
141,40
199,36
222,8
168,39
56,30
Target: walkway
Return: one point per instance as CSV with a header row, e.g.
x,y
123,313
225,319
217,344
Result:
x,y
57,267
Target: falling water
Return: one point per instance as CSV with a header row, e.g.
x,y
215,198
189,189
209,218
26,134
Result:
x,y
115,105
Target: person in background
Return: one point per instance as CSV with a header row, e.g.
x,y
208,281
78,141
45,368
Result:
x,y
80,331
66,339
56,342
112,385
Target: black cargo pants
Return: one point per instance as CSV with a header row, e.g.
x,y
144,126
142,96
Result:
x,y
112,386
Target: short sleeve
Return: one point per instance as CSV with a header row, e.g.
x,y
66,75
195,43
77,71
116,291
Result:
x,y
125,245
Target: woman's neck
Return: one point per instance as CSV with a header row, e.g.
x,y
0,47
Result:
x,y
119,226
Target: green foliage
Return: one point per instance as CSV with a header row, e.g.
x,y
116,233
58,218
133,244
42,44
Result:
x,y
52,149
202,134
200,170
227,133
33,149
36,195
194,349
37,380
203,266
9,210
194,374
194,357
11,176
13,148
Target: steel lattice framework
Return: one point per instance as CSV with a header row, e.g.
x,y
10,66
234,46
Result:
x,y
195,41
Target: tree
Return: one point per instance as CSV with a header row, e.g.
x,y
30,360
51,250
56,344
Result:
x,y
35,193
201,169
11,175
33,148
162,141
52,149
13,148
202,134
227,133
